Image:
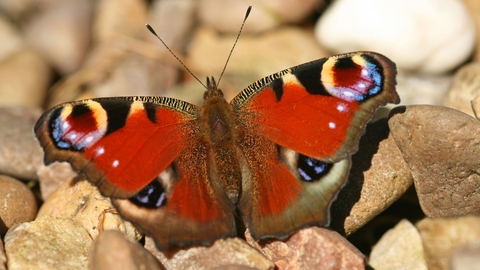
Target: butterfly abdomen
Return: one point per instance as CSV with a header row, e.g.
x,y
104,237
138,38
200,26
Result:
x,y
218,123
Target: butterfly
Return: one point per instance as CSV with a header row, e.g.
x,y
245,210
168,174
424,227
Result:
x,y
275,157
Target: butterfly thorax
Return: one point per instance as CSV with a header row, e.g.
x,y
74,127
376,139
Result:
x,y
218,122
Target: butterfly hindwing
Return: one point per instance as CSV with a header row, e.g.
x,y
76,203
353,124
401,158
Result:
x,y
302,125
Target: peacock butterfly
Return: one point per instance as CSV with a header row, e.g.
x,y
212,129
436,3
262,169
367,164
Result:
x,y
276,156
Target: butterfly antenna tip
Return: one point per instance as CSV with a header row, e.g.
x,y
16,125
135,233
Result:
x,y
235,43
150,28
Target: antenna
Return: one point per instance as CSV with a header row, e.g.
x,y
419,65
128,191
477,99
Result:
x,y
235,43
229,55
178,59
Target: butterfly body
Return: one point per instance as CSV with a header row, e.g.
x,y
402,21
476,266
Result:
x,y
277,154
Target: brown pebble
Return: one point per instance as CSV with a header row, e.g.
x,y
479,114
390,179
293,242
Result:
x,y
312,248
442,149
114,250
18,203
47,243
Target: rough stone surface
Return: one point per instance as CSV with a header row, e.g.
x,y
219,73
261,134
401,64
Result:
x,y
379,176
442,148
81,201
442,236
399,248
20,153
114,250
223,252
17,203
464,88
312,248
47,243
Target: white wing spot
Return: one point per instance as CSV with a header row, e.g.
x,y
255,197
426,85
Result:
x,y
100,151
340,108
332,125
73,136
115,163
364,72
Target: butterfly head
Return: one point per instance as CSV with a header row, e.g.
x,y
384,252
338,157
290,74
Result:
x,y
212,90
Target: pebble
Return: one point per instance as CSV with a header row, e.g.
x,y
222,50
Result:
x,y
226,16
474,9
399,248
443,236
476,107
128,255
25,77
20,153
18,204
63,44
379,176
3,257
81,201
47,243
430,36
441,148
229,251
464,88
12,40
312,248
466,257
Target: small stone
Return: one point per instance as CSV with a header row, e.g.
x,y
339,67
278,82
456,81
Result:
x,y
473,7
81,201
20,153
113,250
442,236
312,248
421,88
441,148
226,16
47,243
464,88
114,17
63,44
476,107
18,203
25,77
399,248
12,41
53,176
379,176
221,253
3,256
430,36
466,257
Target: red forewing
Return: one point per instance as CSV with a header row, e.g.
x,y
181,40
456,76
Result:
x,y
121,144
